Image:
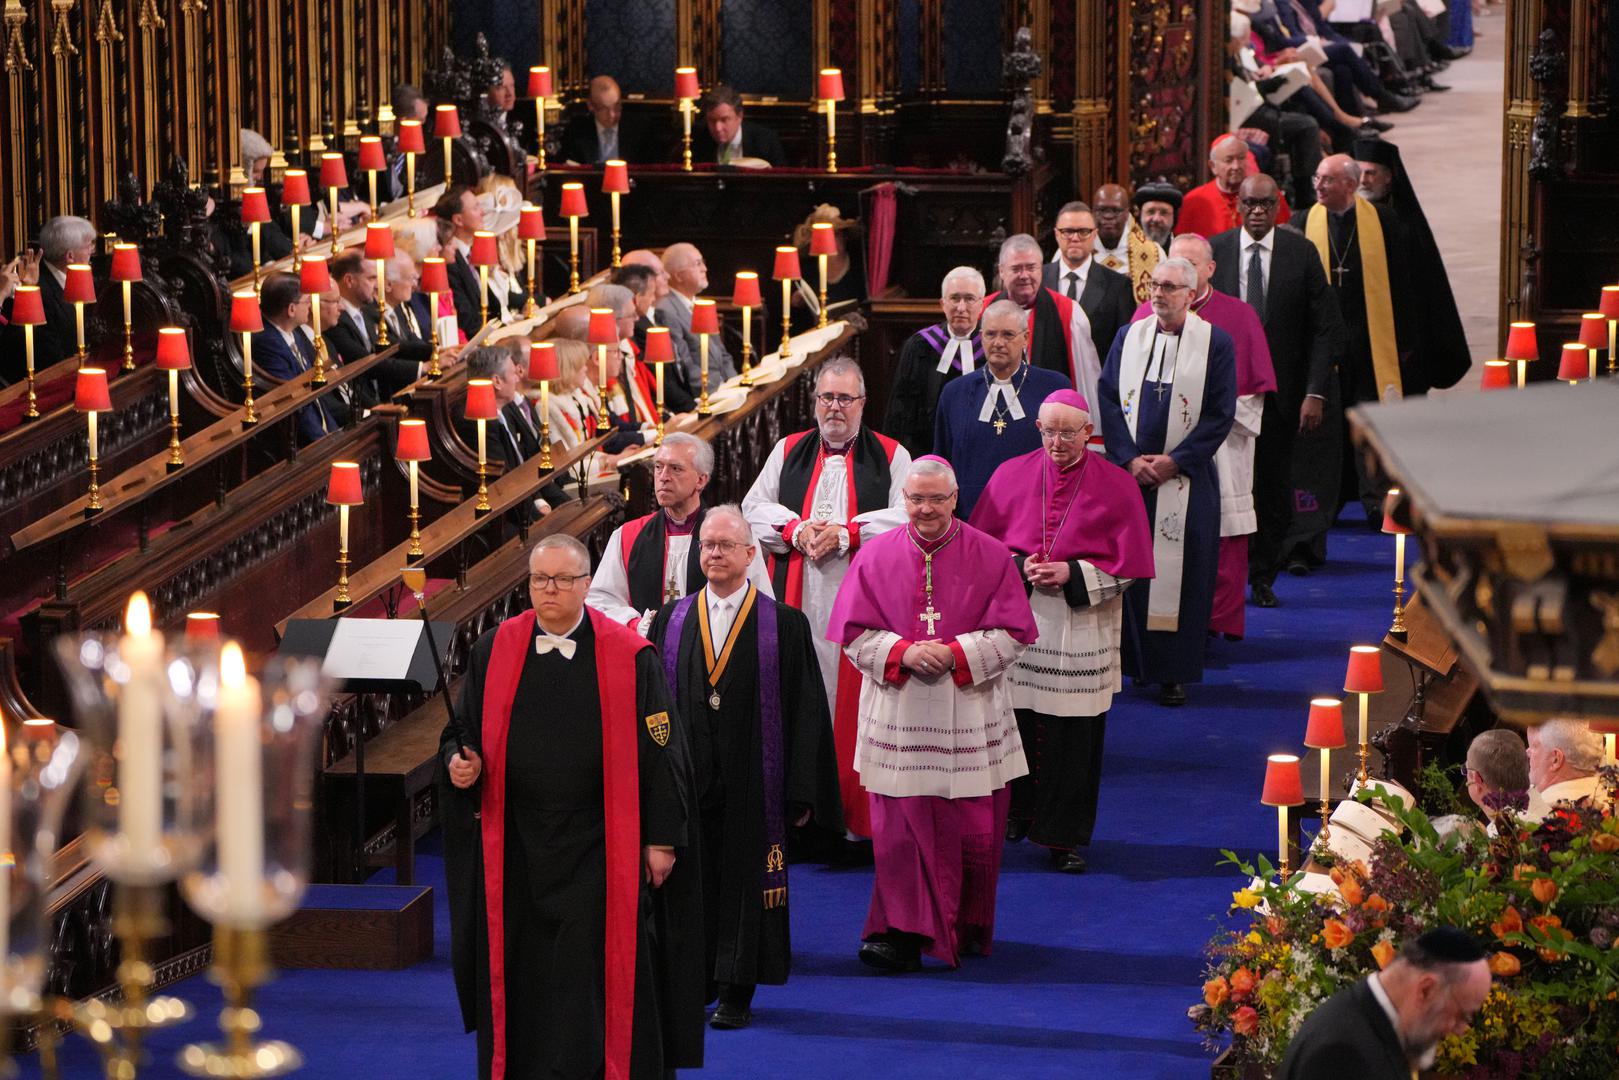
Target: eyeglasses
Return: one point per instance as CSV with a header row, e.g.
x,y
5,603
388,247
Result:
x,y
928,500
719,547
1256,204
1107,211
561,581
842,401
1076,234
1060,434
1166,286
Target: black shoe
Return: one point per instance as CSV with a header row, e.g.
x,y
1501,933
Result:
x,y
1433,87
1298,567
890,957
1016,830
730,1017
1391,102
1264,595
1070,862
1173,693
1376,126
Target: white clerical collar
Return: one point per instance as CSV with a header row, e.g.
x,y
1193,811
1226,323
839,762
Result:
x,y
1167,332
1006,392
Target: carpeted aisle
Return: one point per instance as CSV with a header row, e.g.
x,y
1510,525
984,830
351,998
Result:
x,y
1092,975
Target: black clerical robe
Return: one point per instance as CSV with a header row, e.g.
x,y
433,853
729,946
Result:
x,y
566,961
914,400
756,770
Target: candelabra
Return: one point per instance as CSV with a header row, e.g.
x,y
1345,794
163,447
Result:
x,y
412,448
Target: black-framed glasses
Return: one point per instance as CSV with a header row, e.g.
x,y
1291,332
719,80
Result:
x,y
842,401
563,582
719,547
1075,234
1256,204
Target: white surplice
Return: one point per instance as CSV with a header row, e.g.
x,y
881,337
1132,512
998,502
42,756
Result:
x,y
1234,463
1072,669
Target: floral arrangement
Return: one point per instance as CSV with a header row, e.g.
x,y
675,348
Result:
x,y
1544,898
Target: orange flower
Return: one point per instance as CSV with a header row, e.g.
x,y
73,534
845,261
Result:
x,y
1524,871
1335,934
1375,903
1544,888
1245,1021
1511,923
1276,925
1215,992
1551,956
1504,964
1243,983
1337,875
1546,922
1605,842
1383,953
1350,889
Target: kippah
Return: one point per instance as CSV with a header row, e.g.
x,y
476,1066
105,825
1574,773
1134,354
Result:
x,y
1451,945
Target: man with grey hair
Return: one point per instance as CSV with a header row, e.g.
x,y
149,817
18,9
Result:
x,y
688,277
933,357
648,560
1168,399
570,836
1058,332
989,417
1564,756
632,398
745,678
821,495
63,241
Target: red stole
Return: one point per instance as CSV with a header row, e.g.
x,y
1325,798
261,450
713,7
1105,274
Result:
x,y
616,649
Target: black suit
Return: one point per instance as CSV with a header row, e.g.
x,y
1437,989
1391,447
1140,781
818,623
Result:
x,y
1108,300
758,141
464,291
409,334
637,143
511,444
1348,1037
1305,333
677,395
55,341
272,357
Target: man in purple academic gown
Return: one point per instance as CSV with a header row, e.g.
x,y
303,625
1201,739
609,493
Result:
x,y
1168,396
1079,534
1255,378
933,615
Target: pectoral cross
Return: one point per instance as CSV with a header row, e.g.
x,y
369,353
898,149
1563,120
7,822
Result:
x,y
1338,272
671,591
930,616
1000,425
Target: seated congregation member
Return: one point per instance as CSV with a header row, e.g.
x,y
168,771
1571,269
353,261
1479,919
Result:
x,y
1212,207
1388,1025
933,614
511,438
460,214
569,418
650,561
1122,245
989,417
284,351
746,683
688,279
1059,332
502,205
1104,296
64,241
1079,536
355,334
603,133
1564,756
724,138
419,239
933,357
1169,395
570,837
642,282
405,311
1498,777
820,496
632,399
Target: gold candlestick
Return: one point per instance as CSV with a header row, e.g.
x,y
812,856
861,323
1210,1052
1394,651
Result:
x,y
250,414
659,369
410,185
78,320
28,346
821,320
545,425
483,296
1398,629
1326,792
539,124
253,231
831,136
786,318
433,369
685,135
93,506
573,255
342,600
414,552
318,377
531,308
297,239
703,408
617,258
747,345
129,329
382,305
337,245
482,507
241,963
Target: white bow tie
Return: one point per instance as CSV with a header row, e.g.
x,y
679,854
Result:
x,y
544,643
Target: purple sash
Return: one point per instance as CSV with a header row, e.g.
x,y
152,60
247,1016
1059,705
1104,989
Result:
x,y
770,750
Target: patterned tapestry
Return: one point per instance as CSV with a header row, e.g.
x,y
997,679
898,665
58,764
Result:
x,y
634,43
1164,91
972,48
910,46
766,47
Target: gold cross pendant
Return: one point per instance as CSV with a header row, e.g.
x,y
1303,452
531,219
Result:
x,y
1000,426
930,616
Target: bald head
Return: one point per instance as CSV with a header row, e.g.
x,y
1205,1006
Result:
x,y
572,323
1197,251
1336,179
650,260
1111,206
688,274
604,102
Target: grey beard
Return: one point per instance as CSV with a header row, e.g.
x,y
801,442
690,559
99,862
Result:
x,y
1161,237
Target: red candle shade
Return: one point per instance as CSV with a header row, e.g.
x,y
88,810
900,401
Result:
x,y
1573,363
202,626
379,240
333,173
1283,784
1594,330
1365,672
27,306
314,276
822,242
435,276
126,262
255,206
412,442
90,391
343,488
573,202
604,326
1497,375
245,315
746,293
615,177
481,400
1325,730
660,349
173,351
485,252
539,82
372,159
81,286
786,264
411,140
446,122
686,83
705,317
1609,307
542,362
530,223
1521,344
829,87
295,188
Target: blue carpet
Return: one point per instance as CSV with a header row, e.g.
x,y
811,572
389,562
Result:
x,y
1091,975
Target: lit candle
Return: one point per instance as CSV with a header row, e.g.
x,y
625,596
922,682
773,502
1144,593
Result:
x,y
483,451
239,783
747,324
702,345
343,508
1326,774
573,235
1363,703
614,195
140,735
1399,558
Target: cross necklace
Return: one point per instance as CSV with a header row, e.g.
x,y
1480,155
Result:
x,y
929,615
1002,415
1162,386
1340,263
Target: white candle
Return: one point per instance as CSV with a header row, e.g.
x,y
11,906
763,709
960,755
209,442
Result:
x,y
1362,718
127,302
92,415
343,525
1326,772
253,229
1281,836
747,325
447,177
1399,558
239,788
545,400
140,736
832,121
28,344
174,392
247,354
601,366
573,236
297,243
413,491
702,345
482,452
78,316
615,210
